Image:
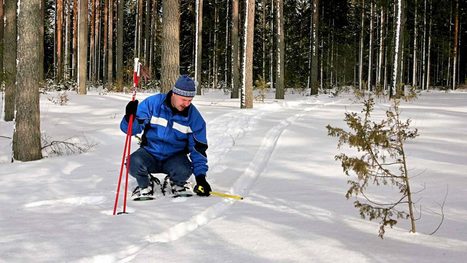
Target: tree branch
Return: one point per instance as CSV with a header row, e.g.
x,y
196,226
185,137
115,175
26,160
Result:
x,y
442,211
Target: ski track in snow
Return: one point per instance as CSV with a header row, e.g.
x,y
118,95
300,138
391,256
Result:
x,y
245,182
238,124
223,139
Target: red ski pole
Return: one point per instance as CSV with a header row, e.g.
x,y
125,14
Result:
x,y
127,147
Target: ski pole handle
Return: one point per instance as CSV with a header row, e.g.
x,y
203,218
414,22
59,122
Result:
x,y
136,75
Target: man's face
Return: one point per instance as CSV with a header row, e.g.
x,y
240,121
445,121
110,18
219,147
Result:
x,y
180,102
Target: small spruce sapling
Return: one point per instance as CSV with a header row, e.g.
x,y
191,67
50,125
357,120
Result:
x,y
261,85
380,162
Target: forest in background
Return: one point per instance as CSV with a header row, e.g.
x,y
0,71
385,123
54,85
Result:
x,y
355,41
309,45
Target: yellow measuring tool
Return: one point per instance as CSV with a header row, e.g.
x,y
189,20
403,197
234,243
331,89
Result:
x,y
224,195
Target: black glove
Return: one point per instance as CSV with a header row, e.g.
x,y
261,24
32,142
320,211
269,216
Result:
x,y
131,108
202,187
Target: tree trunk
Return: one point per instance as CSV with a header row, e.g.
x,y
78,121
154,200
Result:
x,y
424,47
415,47
382,45
428,66
138,30
396,81
119,48
74,57
247,83
27,135
91,41
67,47
170,60
264,29
227,55
82,46
271,49
314,52
154,26
455,44
106,38
147,31
110,42
97,44
362,38
280,51
215,68
1,42
199,45
370,47
59,42
235,52
10,59
403,45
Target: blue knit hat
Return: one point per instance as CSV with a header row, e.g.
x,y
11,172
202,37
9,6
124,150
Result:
x,y
184,86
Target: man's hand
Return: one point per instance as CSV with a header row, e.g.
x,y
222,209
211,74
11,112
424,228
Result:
x,y
202,187
130,109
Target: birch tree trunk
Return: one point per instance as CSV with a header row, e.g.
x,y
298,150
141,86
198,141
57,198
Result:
x,y
82,46
170,60
397,48
10,59
280,50
198,44
27,134
138,29
402,48
246,101
235,52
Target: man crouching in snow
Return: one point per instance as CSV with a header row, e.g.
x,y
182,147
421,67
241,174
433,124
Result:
x,y
173,129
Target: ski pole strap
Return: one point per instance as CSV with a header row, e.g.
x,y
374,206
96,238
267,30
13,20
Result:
x,y
225,195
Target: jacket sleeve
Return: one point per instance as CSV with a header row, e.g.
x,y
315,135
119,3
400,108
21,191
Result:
x,y
198,145
143,116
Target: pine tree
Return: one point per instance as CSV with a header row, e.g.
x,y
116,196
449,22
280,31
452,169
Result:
x,y
27,134
380,162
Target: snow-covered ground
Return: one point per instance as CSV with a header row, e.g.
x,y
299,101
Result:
x,y
277,155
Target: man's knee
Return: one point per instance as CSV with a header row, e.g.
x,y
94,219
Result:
x,y
137,164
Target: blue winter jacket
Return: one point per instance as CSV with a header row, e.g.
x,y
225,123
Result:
x,y
168,131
